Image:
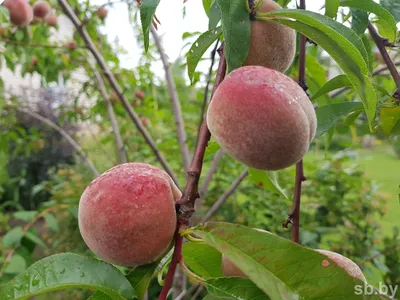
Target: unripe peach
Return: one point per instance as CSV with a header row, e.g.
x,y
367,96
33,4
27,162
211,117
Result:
x,y
229,269
127,215
41,9
21,13
51,20
343,262
272,45
102,13
140,94
262,118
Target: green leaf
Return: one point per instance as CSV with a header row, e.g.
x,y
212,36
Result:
x,y
234,288
62,271
328,115
214,16
385,18
328,138
34,238
13,237
389,118
278,266
333,84
52,222
339,41
202,259
393,6
17,265
371,56
199,47
283,3
359,21
25,216
140,278
211,149
236,28
331,8
147,11
266,180
207,5
99,296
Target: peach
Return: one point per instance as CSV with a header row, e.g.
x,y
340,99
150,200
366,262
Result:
x,y
272,45
127,215
71,45
51,20
229,269
262,118
21,13
41,9
140,94
345,263
102,13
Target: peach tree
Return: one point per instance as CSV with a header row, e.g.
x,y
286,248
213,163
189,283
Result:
x,y
139,217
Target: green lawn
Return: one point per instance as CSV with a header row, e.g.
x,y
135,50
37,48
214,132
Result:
x,y
382,165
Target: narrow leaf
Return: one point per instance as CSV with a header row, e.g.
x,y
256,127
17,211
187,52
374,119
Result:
x,y
389,118
13,237
202,259
328,115
25,216
359,21
214,16
236,28
266,180
34,238
147,11
140,278
337,82
62,271
385,18
331,8
199,47
393,6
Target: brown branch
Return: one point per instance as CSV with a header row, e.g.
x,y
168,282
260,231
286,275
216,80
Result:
x,y
111,116
385,251
176,105
35,45
185,206
381,44
205,97
25,230
70,140
115,86
208,178
217,205
295,213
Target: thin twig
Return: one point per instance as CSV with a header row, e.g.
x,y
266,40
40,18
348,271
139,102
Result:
x,y
68,11
208,178
70,140
176,105
111,115
185,206
381,43
384,251
217,205
198,292
36,45
189,292
205,96
25,230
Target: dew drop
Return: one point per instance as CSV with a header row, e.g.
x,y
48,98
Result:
x,y
62,271
82,274
35,281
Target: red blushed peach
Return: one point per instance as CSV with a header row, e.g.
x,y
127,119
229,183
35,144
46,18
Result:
x,y
51,20
343,262
272,45
127,215
41,9
21,13
262,118
102,12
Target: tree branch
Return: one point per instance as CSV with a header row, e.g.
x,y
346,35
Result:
x,y
381,44
217,205
115,86
111,115
208,178
70,140
176,105
35,45
185,206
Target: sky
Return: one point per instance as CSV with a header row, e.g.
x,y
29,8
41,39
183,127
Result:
x,y
173,25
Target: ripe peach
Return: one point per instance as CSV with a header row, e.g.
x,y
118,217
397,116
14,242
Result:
x,y
345,263
272,45
229,269
41,9
140,94
262,118
21,13
102,13
71,45
145,121
127,215
51,20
